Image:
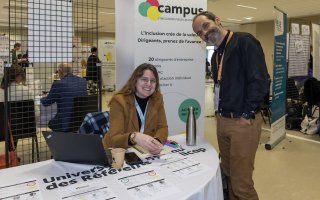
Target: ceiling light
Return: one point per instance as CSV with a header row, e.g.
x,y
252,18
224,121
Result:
x,y
248,18
231,19
247,7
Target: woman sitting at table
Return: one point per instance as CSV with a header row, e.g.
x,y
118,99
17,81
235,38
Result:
x,y
137,114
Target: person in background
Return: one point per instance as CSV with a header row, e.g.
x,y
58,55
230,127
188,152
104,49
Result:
x,y
17,89
24,61
16,47
93,71
241,83
62,92
19,57
137,114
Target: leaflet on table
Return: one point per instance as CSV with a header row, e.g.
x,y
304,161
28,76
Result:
x,y
145,185
28,190
182,166
144,153
97,190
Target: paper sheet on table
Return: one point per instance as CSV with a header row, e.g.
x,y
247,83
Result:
x,y
22,191
147,185
144,153
97,190
183,166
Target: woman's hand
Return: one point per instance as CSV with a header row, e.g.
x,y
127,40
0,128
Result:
x,y
148,142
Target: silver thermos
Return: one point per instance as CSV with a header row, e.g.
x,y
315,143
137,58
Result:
x,y
191,128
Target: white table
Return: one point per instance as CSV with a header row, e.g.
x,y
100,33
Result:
x,y
44,113
200,180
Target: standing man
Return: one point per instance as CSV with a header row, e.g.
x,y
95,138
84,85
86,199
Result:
x,y
241,82
93,70
62,92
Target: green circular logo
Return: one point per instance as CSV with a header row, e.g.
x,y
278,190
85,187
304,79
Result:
x,y
143,8
183,109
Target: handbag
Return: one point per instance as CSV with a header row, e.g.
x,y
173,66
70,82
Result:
x,y
309,125
13,158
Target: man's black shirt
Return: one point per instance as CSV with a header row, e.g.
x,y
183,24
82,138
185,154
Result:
x,y
93,71
244,77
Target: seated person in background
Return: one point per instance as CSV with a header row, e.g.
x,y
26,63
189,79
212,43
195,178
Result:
x,y
62,92
137,114
24,61
18,90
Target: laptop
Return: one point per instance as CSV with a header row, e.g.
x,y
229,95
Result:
x,y
77,148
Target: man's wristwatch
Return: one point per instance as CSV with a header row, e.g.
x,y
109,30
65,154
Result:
x,y
132,136
248,115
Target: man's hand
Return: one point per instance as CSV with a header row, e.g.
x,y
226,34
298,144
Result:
x,y
243,121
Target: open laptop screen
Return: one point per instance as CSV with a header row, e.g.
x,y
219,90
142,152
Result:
x,y
77,148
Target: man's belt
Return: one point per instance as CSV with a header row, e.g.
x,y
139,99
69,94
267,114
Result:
x,y
229,115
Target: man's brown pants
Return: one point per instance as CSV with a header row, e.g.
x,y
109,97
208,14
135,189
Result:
x,y
238,145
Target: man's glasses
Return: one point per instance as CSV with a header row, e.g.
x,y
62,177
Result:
x,y
146,80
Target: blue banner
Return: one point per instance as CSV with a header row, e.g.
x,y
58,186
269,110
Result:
x,y
278,106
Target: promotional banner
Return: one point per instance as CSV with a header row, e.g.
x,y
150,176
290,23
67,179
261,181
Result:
x,y
107,56
278,106
163,36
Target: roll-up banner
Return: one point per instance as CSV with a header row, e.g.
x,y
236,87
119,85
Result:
x,y
278,106
160,32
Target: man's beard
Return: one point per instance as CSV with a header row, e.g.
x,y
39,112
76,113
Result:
x,y
213,36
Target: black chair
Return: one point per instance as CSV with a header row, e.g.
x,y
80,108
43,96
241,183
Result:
x,y
23,123
82,106
265,108
294,104
2,122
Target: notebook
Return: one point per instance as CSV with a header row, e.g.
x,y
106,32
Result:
x,y
77,148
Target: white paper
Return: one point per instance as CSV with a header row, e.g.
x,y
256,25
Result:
x,y
298,45
295,28
90,190
143,185
305,29
28,190
144,153
184,167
